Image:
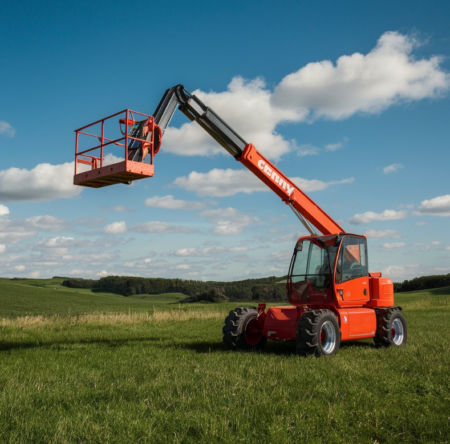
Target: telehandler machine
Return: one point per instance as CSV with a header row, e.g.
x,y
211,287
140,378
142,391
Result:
x,y
333,296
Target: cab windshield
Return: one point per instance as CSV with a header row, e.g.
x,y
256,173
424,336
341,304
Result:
x,y
310,276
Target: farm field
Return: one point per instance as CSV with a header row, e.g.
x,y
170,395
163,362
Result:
x,y
23,297
116,369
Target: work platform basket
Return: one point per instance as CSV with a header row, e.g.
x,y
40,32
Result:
x,y
138,138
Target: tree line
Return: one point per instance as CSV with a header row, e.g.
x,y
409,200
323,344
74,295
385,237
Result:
x,y
423,283
263,289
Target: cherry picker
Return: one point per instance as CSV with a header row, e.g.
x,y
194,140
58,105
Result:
x,y
333,295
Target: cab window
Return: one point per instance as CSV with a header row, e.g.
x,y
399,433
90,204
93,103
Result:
x,y
352,262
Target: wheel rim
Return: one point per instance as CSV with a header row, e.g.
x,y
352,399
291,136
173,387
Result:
x,y
328,337
252,333
397,332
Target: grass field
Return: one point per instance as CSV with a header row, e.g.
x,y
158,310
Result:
x,y
149,372
48,297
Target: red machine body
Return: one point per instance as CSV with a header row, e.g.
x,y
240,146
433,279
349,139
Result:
x,y
333,296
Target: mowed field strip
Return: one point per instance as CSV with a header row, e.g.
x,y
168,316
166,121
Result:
x,y
77,366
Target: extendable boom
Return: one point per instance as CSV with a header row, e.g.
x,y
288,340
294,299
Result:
x,y
289,192
195,110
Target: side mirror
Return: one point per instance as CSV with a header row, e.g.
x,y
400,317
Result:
x,y
299,246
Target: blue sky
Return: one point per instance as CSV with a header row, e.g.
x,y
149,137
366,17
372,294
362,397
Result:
x,y
349,99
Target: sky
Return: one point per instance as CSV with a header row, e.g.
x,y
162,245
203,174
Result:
x,y
350,99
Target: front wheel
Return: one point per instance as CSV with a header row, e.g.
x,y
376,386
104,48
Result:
x,y
391,328
318,333
241,331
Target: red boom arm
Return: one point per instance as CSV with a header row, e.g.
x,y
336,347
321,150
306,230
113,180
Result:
x,y
289,192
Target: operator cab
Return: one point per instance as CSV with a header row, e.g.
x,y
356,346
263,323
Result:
x,y
332,268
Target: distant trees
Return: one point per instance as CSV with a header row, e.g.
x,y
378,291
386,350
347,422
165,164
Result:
x,y
423,283
79,283
216,294
265,289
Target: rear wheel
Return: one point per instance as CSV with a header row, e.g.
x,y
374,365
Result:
x,y
241,331
391,328
318,333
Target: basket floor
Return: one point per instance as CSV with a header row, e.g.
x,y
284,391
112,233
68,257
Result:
x,y
122,172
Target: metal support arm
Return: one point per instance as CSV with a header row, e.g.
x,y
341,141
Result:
x,y
309,213
196,110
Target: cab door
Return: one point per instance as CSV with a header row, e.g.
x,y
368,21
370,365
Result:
x,y
352,277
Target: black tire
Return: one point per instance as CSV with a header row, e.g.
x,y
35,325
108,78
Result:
x,y
391,328
318,333
236,333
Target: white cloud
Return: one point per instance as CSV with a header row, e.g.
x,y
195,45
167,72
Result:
x,y
169,203
435,243
293,237
116,228
307,150
62,242
246,106
421,224
7,129
220,213
228,182
42,183
19,267
207,252
12,237
392,168
401,271
221,183
35,274
382,233
388,75
448,248
57,242
90,259
318,185
161,227
228,221
4,210
12,231
370,216
281,258
439,206
121,209
2,248
336,146
110,159
394,246
142,263
44,223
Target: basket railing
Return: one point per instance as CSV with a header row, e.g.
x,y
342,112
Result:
x,y
82,157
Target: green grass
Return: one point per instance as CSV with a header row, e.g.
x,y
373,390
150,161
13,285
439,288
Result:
x,y
46,297
164,376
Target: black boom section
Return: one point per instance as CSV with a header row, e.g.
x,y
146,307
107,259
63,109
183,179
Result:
x,y
195,109
167,107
